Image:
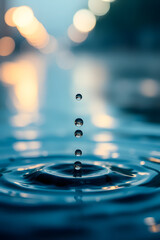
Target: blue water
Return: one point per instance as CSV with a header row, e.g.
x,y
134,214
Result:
x,y
115,195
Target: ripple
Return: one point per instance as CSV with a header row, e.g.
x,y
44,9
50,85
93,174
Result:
x,y
54,179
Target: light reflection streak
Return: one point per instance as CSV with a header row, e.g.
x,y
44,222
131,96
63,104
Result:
x,y
103,137
23,119
27,134
103,121
105,149
111,188
153,159
24,146
23,76
31,167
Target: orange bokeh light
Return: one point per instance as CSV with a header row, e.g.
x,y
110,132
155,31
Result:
x,y
7,46
9,17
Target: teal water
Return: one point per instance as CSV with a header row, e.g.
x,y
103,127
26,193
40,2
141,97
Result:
x,y
114,194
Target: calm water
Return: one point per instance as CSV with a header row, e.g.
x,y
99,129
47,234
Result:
x,y
114,194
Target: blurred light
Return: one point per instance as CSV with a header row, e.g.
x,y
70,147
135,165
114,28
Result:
x,y
143,173
35,33
10,72
23,16
7,46
9,17
142,163
153,159
149,88
75,35
51,46
115,155
103,121
111,188
99,7
84,20
26,90
103,137
29,29
23,75
104,149
40,38
27,134
23,146
21,120
89,74
153,227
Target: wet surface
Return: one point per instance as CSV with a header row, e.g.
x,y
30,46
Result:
x,y
46,192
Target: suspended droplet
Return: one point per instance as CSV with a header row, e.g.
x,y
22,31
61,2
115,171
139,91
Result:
x,y
78,133
78,153
78,122
78,97
77,166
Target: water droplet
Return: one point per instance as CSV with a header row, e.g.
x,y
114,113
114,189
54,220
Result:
x,y
78,133
77,166
78,152
78,122
78,97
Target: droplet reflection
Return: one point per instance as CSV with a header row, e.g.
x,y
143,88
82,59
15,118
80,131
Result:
x,y
78,133
77,166
78,153
78,122
78,97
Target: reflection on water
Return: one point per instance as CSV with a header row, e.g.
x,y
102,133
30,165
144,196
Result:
x,y
113,189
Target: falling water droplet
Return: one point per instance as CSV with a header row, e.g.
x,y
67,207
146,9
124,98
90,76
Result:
x,y
77,166
78,122
78,97
78,153
78,133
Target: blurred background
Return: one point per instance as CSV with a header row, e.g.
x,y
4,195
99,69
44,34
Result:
x,y
107,50
110,46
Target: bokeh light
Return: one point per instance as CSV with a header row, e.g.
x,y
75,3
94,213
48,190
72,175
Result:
x,y
7,46
103,137
75,35
9,17
84,20
149,88
103,121
51,47
29,27
23,16
98,7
